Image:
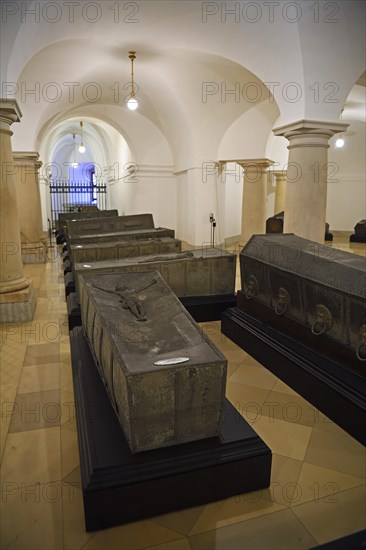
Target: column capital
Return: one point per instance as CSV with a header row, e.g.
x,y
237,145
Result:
x,y
9,112
280,174
253,164
27,157
310,133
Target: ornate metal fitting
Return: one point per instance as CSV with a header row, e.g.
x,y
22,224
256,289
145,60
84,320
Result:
x,y
283,301
252,288
362,334
323,320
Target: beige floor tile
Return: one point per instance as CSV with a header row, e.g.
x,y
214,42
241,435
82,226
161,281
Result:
x,y
67,402
235,510
75,536
256,376
283,438
69,451
280,530
291,408
39,378
180,544
41,354
11,360
31,457
13,333
74,478
248,400
329,519
283,388
316,483
132,537
337,451
181,522
4,430
65,374
31,517
284,480
36,410
7,397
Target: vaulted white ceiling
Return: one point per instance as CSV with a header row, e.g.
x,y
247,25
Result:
x,y
198,69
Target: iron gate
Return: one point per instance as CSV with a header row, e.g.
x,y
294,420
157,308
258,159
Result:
x,y
71,196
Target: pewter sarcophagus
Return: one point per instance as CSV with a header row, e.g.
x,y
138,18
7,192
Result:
x,y
138,226
65,217
359,236
165,379
274,224
311,291
200,272
117,250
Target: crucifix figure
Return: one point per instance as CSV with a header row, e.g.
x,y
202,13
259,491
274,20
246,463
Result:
x,y
129,299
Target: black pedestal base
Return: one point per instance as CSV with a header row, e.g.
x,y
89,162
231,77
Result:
x,y
69,283
328,237
354,238
73,311
119,487
335,390
208,308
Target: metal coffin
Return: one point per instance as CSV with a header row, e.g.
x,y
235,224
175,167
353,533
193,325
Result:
x,y
320,288
200,272
65,217
274,224
165,379
108,237
138,222
117,250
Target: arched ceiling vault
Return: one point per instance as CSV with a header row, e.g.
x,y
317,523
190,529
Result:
x,y
188,64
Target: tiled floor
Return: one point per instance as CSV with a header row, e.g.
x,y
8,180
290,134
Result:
x,y
317,490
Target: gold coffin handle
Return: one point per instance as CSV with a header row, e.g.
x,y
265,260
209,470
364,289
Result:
x,y
252,289
323,320
362,343
283,301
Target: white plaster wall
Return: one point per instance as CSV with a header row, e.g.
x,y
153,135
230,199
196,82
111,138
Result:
x,y
346,199
346,203
233,177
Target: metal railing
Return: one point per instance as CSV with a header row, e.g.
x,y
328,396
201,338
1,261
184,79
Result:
x,y
71,196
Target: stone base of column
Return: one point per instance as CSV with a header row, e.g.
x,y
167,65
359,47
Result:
x,y
18,307
34,253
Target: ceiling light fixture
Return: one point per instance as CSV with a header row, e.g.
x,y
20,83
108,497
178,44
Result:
x,y
81,148
132,103
74,164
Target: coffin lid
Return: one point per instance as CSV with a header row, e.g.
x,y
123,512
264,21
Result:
x,y
169,257
328,266
119,223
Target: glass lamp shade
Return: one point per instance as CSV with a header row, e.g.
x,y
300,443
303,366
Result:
x,y
82,149
132,104
340,142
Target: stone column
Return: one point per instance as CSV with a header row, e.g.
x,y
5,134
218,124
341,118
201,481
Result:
x,y
33,243
17,297
306,190
280,193
254,211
